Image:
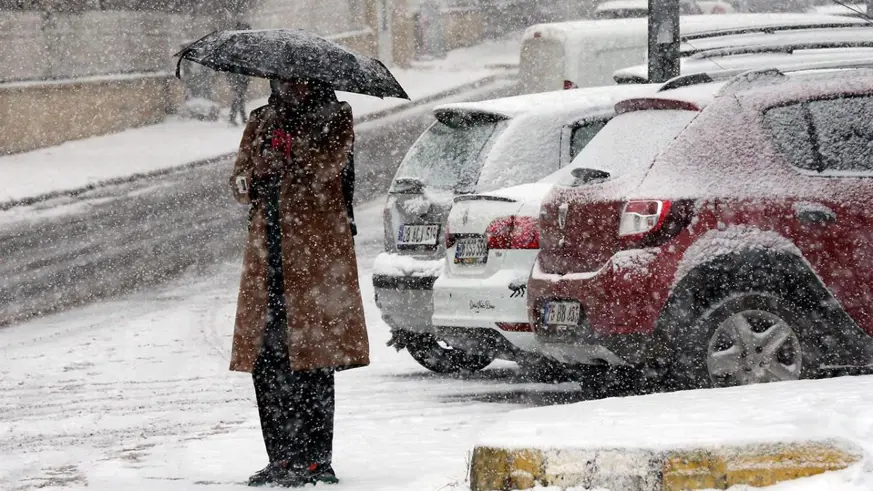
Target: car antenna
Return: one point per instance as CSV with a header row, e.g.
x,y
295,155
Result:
x,y
863,15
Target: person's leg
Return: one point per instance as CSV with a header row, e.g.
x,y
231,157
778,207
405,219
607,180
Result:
x,y
321,416
313,403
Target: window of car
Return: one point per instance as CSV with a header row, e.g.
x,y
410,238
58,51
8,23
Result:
x,y
583,133
628,143
448,155
829,135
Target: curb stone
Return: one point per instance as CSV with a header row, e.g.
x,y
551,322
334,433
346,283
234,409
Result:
x,y
764,464
7,205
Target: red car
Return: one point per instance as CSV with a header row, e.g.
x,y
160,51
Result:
x,y
743,255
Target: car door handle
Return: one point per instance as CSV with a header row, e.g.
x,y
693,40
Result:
x,y
814,213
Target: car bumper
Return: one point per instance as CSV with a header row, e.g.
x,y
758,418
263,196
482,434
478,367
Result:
x,y
618,312
484,303
406,302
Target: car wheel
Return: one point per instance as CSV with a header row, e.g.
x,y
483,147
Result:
x,y
437,356
744,339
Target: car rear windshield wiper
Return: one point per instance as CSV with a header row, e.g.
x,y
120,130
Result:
x,y
407,185
584,175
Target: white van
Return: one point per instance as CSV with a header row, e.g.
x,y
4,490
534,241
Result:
x,y
586,53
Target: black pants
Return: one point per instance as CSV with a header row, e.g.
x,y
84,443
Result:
x,y
296,410
296,407
238,106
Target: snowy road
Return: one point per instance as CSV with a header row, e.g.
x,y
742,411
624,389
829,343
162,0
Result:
x,y
116,239
135,394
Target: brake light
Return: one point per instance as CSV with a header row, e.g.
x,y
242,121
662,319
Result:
x,y
568,85
718,9
513,233
450,237
537,35
642,217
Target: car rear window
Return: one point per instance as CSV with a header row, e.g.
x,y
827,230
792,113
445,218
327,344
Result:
x,y
831,135
448,156
627,143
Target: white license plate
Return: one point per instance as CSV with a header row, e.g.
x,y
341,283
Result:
x,y
561,313
471,251
418,235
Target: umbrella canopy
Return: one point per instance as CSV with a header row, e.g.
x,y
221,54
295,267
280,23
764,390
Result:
x,y
289,54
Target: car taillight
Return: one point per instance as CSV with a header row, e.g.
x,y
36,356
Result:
x,y
650,223
718,9
537,35
450,237
642,217
513,233
568,84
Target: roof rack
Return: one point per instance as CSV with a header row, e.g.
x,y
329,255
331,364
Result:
x,y
740,76
783,48
768,29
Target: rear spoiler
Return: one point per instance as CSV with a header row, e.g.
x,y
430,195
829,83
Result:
x,y
456,118
482,197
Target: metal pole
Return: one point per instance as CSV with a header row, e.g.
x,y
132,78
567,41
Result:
x,y
869,8
664,40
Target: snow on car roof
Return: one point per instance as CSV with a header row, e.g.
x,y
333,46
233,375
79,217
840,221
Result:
x,y
557,102
813,58
808,84
623,4
851,9
691,24
847,34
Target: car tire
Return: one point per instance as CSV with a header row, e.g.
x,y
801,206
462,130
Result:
x,y
743,338
429,353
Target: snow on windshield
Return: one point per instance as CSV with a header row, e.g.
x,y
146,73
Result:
x,y
628,143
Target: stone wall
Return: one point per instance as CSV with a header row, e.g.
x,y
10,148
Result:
x,y
73,75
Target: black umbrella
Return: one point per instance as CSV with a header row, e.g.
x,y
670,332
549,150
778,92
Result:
x,y
292,53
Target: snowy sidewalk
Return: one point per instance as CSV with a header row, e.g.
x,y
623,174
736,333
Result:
x,y
80,164
756,435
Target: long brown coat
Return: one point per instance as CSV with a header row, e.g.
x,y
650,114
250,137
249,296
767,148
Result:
x,y
326,325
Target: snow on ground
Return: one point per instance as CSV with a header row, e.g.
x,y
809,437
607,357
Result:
x,y
177,142
135,394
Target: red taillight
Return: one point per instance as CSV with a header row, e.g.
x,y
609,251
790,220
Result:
x,y
515,327
537,35
513,233
642,217
718,9
568,85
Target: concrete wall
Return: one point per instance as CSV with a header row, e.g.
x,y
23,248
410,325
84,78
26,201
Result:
x,y
36,115
60,80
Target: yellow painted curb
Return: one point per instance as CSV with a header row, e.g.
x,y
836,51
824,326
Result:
x,y
499,469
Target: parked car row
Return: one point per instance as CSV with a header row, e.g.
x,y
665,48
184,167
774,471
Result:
x,y
708,231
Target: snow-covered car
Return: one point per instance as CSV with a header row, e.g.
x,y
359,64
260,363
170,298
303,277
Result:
x,y
586,53
471,148
741,256
790,49
628,9
479,300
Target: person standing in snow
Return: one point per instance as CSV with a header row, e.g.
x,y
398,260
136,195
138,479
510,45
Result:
x,y
299,315
239,87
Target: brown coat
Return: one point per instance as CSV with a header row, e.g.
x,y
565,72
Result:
x,y
326,325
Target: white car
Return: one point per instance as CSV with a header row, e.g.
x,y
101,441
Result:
x,y
491,240
472,148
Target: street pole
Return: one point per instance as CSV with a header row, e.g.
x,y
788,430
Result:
x,y
664,40
869,10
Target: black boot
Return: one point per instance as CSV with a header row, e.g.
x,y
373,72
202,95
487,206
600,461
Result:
x,y
314,474
273,473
